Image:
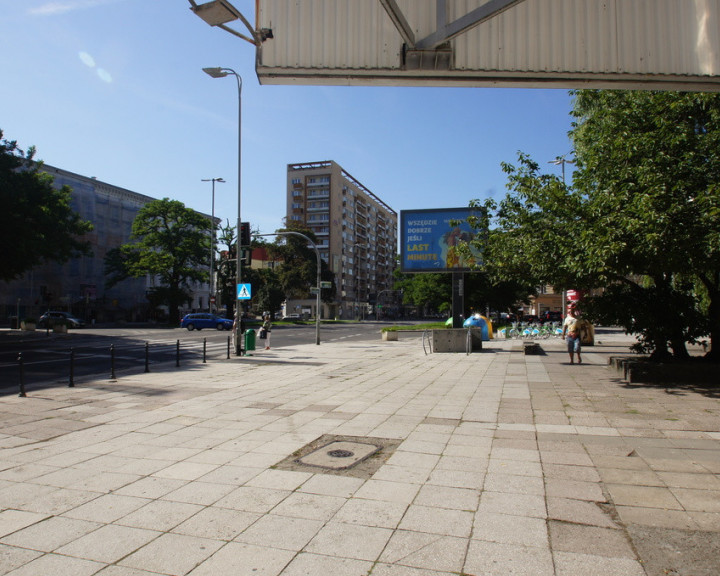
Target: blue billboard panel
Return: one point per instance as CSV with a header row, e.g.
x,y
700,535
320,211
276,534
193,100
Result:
x,y
429,240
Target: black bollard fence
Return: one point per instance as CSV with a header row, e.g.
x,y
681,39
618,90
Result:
x,y
112,361
71,384
147,357
21,364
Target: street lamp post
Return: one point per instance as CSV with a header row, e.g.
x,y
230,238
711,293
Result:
x,y
212,243
221,73
561,161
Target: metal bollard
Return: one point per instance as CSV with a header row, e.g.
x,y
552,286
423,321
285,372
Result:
x,y
147,357
71,384
21,362
228,349
204,350
177,354
112,361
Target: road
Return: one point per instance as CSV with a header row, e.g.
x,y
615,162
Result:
x,y
44,359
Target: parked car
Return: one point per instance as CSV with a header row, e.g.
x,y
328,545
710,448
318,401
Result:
x,y
552,316
200,321
52,317
292,317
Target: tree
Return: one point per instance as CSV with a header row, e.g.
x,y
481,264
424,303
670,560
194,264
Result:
x,y
297,271
430,292
268,293
641,219
170,243
39,223
654,159
227,268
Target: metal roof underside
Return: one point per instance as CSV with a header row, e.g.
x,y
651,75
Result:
x,y
646,44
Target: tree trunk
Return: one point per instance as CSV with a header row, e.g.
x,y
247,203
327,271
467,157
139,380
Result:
x,y
714,316
679,348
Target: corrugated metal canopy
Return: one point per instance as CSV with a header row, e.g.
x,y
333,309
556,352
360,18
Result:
x,y
658,44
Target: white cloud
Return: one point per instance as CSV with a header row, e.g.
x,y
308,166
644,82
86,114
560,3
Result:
x,y
60,7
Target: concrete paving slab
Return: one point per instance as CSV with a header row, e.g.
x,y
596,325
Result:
x,y
489,444
495,559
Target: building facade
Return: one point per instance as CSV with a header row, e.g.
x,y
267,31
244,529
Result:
x,y
79,284
356,232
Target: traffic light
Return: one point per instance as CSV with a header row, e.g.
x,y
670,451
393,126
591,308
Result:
x,y
244,233
246,256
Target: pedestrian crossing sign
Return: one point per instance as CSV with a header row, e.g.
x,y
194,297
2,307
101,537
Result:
x,y
244,291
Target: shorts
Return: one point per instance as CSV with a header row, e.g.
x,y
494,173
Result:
x,y
573,344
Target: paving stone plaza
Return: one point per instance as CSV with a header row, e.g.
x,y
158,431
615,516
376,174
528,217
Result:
x,y
493,463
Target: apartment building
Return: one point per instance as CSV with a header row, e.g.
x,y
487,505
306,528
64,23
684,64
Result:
x,y
79,284
356,232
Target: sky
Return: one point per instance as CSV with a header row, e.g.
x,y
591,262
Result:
x,y
114,89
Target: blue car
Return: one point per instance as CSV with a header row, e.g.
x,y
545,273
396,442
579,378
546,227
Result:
x,y
200,321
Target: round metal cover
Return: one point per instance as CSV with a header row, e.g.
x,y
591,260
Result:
x,y
340,453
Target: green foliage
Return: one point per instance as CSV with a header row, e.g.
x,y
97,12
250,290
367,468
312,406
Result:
x,y
297,269
641,219
39,224
429,292
226,267
268,294
170,243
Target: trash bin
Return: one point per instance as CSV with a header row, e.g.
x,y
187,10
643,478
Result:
x,y
249,340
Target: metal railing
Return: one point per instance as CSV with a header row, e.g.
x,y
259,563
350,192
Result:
x,y
126,357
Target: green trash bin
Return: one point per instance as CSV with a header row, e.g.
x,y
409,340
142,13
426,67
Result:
x,y
249,340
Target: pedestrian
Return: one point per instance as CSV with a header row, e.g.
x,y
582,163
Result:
x,y
572,332
267,328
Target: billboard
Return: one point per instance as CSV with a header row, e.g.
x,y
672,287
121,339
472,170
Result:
x,y
429,240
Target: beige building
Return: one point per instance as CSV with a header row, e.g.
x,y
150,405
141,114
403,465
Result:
x,y
356,232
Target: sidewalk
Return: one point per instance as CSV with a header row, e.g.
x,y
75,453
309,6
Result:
x,y
495,463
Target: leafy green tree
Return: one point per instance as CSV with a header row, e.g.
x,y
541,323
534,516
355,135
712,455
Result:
x,y
170,243
39,225
641,219
226,267
429,292
432,292
297,271
653,158
268,294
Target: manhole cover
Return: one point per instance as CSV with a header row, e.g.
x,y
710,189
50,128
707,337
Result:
x,y
352,456
339,455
